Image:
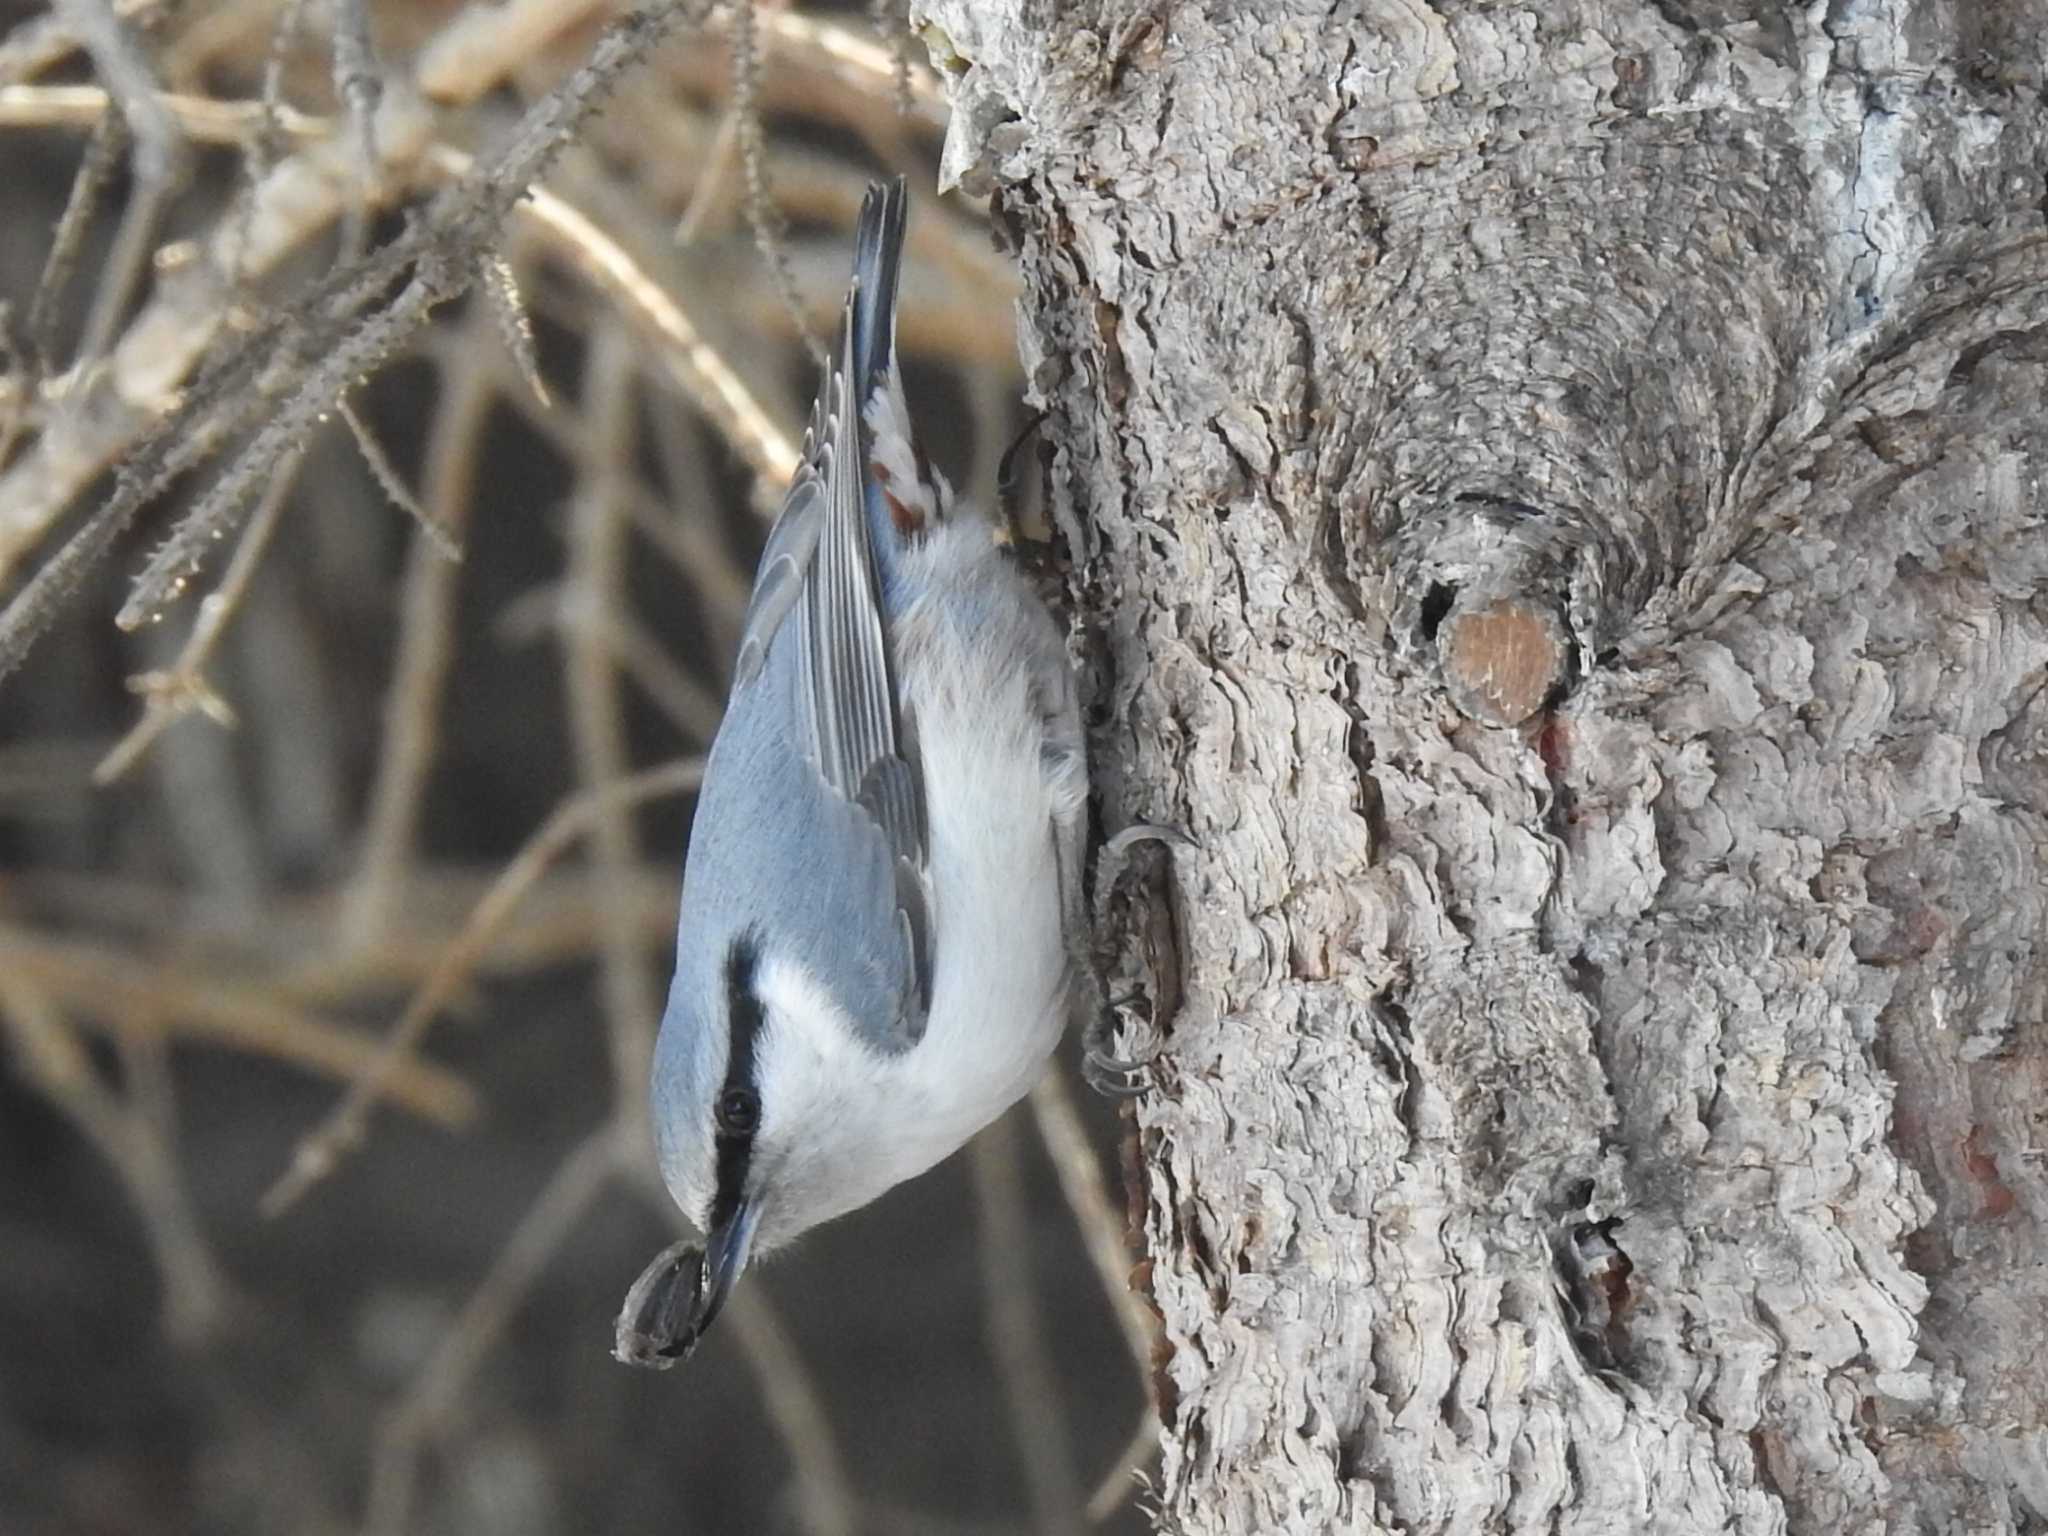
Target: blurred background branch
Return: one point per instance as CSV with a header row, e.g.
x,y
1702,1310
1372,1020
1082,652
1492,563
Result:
x,y
392,398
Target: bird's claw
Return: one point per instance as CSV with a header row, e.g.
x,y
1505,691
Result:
x,y
1117,1077
1115,857
1118,848
1105,1071
1111,1075
1009,487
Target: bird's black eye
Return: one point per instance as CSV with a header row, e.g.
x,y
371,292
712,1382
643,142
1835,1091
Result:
x,y
739,1111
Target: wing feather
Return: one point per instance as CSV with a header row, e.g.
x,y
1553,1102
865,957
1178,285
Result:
x,y
821,566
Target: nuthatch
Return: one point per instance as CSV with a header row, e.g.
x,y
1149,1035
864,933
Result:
x,y
884,931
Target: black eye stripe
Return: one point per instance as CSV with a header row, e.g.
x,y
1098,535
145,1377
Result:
x,y
744,1014
744,1017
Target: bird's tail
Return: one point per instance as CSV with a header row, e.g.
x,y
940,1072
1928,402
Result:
x,y
877,268
904,495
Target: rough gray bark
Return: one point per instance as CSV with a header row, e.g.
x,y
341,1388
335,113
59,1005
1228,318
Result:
x,y
1625,1118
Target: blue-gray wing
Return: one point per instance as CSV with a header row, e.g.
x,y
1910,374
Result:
x,y
785,565
819,567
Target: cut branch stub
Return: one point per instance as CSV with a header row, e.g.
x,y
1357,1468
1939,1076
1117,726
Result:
x,y
1502,656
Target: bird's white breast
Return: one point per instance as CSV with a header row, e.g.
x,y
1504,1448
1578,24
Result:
x,y
847,1122
999,991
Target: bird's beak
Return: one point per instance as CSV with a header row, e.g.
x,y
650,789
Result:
x,y
677,1297
725,1255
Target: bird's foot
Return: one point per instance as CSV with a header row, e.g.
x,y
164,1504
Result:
x,y
1111,1075
1115,857
1104,1070
1010,485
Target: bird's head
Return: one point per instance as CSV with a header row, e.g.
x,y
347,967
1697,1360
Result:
x,y
772,1115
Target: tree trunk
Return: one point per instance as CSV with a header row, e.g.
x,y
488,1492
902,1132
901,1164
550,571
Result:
x,y
1559,501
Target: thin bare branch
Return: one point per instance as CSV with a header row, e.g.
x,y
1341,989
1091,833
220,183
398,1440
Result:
x,y
426,647
95,984
539,1235
692,707
889,24
1125,1478
18,374
561,922
440,532
596,578
34,45
1080,1177
711,182
500,288
867,68
327,374
291,960
300,197
771,230
124,71
683,524
489,39
678,518
103,152
1087,1193
358,86
133,1137
695,367
160,349
270,132
168,696
825,1503
1015,1328
319,1151
463,220
159,160
202,118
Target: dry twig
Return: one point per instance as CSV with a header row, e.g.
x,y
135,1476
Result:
x,y
771,230
95,984
426,647
1016,1332
168,696
704,377
317,1153
596,577
1102,1231
500,288
159,160
438,251
133,1135
577,1182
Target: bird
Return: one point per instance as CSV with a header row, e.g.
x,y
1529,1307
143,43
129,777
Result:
x,y
883,932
